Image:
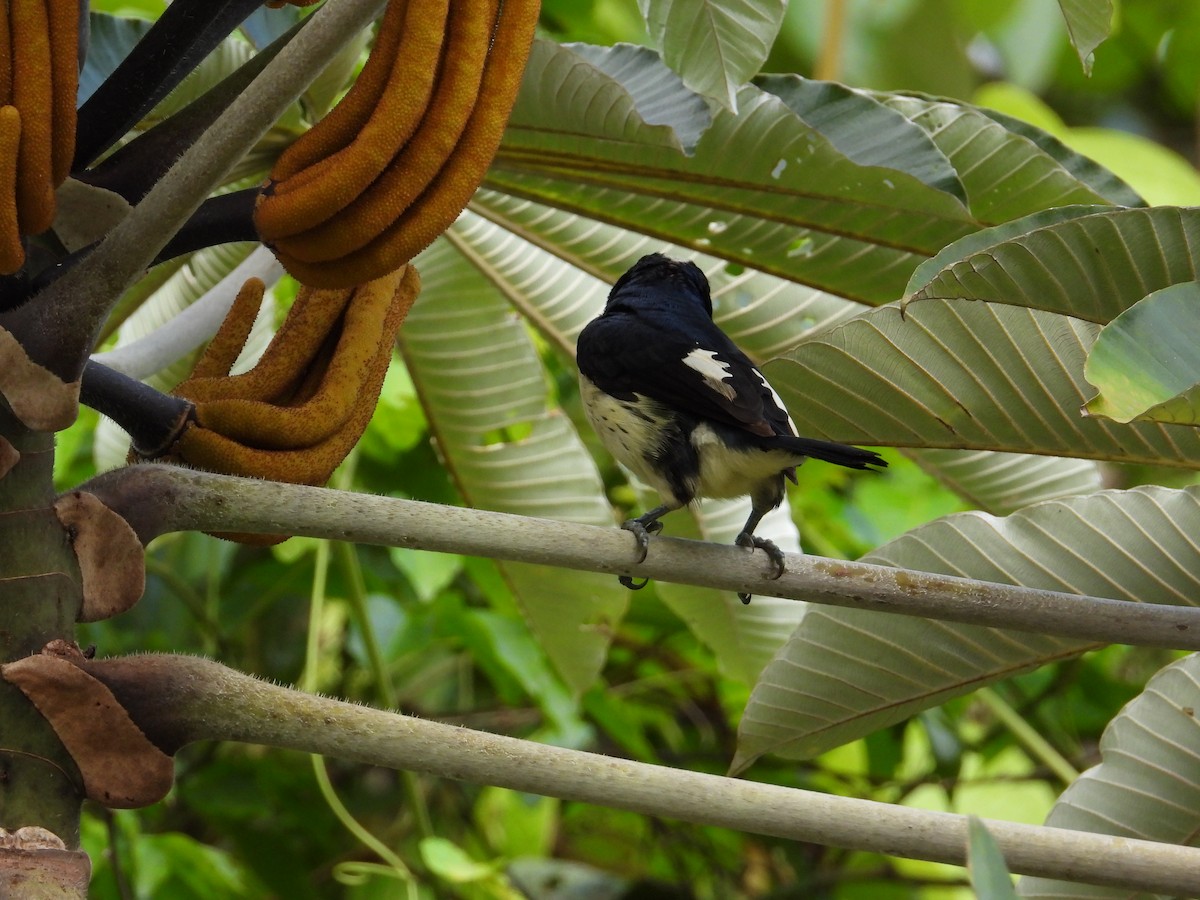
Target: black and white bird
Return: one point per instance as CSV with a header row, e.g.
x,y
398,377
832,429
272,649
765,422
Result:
x,y
677,403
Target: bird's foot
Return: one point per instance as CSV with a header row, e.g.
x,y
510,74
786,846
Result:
x,y
641,532
750,541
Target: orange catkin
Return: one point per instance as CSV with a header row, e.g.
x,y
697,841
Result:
x,y
438,207
32,95
5,60
12,256
471,25
343,123
300,203
64,69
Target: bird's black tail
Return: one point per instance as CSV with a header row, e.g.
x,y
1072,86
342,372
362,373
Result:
x,y
839,454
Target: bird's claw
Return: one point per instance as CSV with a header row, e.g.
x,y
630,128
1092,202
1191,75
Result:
x,y
750,541
641,533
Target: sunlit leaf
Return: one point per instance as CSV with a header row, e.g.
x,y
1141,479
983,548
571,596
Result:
x,y
716,45
1144,362
964,375
846,672
762,188
1093,267
1147,784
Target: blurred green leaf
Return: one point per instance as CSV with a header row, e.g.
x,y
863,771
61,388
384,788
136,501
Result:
x,y
1089,23
517,824
716,45
989,873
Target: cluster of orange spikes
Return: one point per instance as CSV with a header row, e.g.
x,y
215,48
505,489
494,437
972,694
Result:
x,y
303,407
395,162
39,76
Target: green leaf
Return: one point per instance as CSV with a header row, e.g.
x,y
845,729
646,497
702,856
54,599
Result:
x,y
762,188
477,373
1047,132
1005,174
449,861
963,375
1147,784
979,243
846,673
1092,267
715,45
865,129
660,96
1144,361
514,649
989,873
1089,22
1002,483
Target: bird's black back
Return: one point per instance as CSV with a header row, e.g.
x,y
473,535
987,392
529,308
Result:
x,y
658,313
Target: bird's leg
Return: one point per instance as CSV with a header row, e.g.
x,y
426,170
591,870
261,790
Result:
x,y
750,540
642,527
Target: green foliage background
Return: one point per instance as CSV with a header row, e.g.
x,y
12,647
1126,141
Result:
x,y
442,636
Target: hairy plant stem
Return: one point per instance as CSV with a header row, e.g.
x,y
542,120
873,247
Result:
x,y
178,699
156,499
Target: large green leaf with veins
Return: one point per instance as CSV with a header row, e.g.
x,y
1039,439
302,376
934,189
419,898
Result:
x,y
484,390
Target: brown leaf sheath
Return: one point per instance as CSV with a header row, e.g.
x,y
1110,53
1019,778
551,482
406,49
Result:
x,y
438,207
12,254
342,124
416,165
64,67
337,179
225,347
33,98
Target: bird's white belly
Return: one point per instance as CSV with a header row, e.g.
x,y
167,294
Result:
x,y
631,432
726,472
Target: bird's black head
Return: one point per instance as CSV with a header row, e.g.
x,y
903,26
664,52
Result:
x,y
659,281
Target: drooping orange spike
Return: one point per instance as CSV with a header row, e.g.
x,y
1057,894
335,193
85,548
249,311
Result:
x,y
64,66
437,208
12,254
32,93
458,90
292,207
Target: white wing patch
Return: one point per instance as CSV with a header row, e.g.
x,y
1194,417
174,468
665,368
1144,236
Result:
x,y
778,399
712,370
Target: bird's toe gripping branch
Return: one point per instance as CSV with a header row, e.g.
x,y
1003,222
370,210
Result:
x,y
750,541
641,527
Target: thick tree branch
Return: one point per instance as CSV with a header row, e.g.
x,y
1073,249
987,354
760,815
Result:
x,y
156,499
179,699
